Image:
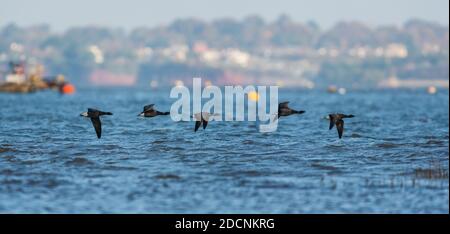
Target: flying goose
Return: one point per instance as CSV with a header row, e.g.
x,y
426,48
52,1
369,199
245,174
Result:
x,y
202,118
150,111
285,110
94,115
337,119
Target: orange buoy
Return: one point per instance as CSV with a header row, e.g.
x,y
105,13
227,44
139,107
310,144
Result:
x,y
68,89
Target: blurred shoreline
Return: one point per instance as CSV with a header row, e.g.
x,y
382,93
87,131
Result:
x,y
227,51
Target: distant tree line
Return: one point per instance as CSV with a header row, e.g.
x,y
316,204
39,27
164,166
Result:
x,y
66,52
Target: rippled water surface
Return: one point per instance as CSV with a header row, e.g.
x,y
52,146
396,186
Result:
x,y
393,157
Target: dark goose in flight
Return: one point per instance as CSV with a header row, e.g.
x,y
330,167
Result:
x,y
337,119
149,111
94,115
285,110
202,118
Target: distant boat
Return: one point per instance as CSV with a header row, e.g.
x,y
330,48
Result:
x,y
17,88
17,81
332,89
335,89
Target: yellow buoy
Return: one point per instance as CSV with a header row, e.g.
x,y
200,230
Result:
x,y
253,96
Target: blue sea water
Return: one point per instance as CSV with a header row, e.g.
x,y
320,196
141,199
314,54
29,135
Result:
x,y
393,158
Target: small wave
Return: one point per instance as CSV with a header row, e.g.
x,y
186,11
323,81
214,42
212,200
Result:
x,y
112,147
250,173
158,131
167,177
274,185
431,173
434,142
356,135
55,152
47,183
414,155
6,172
11,182
169,148
5,150
31,162
335,147
391,139
387,145
248,142
118,168
79,162
157,142
325,167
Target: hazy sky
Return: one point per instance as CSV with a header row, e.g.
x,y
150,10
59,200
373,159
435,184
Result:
x,y
127,14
